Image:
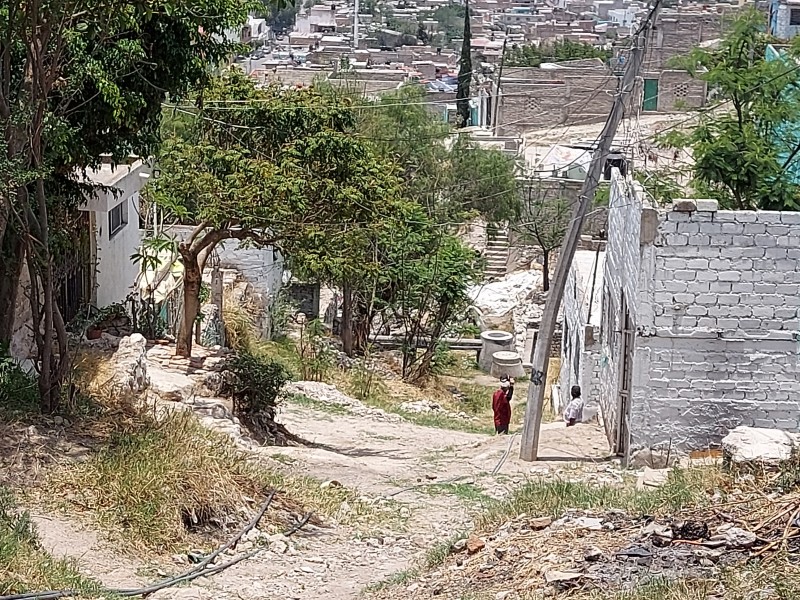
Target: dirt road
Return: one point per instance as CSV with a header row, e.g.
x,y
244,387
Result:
x,y
438,479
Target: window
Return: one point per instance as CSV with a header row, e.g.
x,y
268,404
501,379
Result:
x,y
794,16
117,218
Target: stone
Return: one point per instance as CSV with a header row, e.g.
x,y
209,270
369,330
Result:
x,y
763,447
707,205
592,554
539,523
561,576
652,478
331,483
502,595
475,544
684,205
130,360
592,523
460,545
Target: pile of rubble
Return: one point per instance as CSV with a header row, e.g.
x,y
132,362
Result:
x,y
328,394
510,303
580,550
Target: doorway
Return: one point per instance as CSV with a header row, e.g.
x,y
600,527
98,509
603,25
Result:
x,y
623,438
650,99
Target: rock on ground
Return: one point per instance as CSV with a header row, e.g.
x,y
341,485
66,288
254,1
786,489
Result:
x,y
130,361
761,446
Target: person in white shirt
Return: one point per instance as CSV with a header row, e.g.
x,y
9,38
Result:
x,y
574,411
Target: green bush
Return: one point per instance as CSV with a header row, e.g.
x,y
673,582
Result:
x,y
253,383
19,394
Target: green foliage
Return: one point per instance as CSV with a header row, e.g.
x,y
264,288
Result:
x,y
746,157
453,181
660,185
254,383
18,393
315,352
534,55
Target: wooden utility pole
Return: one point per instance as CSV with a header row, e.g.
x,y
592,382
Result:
x,y
541,356
496,101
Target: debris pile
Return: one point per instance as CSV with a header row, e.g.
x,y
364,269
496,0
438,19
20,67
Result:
x,y
428,406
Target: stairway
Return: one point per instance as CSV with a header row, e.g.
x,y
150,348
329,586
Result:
x,y
496,254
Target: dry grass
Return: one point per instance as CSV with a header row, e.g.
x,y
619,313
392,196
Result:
x,y
24,566
683,489
160,483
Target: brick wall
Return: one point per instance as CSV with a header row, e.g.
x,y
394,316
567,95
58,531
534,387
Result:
x,y
716,320
677,90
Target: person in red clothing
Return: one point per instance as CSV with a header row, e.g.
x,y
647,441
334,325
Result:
x,y
501,406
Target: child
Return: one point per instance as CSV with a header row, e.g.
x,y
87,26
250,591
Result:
x,y
574,411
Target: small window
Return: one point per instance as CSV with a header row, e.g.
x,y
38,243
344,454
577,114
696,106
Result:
x,y
117,218
794,16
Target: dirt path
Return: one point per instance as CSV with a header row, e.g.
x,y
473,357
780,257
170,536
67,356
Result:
x,y
378,459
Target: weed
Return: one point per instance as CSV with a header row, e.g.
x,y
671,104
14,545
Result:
x,y
24,566
160,482
553,497
399,578
659,588
315,404
466,492
439,553
315,352
19,394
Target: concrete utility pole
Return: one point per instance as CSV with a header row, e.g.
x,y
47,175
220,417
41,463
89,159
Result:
x,y
529,449
355,26
496,101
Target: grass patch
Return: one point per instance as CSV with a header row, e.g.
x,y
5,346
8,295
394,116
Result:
x,y
552,498
658,588
25,567
159,484
439,553
467,492
399,578
314,404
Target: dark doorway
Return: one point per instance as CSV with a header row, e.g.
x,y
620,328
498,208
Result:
x,y
623,438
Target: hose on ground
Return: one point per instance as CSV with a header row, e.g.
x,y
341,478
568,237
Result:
x,y
199,570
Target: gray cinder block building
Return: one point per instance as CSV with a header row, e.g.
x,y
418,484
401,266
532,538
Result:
x,y
699,330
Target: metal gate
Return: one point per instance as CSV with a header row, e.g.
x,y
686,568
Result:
x,y
74,271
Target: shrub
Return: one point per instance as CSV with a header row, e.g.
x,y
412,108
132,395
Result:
x,y
253,383
19,393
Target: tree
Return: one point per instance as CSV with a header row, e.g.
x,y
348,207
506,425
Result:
x,y
545,217
533,55
76,81
464,72
272,166
453,180
748,156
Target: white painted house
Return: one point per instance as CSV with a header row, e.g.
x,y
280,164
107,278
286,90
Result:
x,y
114,219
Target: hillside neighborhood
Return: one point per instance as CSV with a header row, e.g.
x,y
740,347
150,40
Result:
x,y
474,299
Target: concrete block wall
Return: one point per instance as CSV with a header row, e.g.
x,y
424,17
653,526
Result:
x,y
677,90
625,275
716,319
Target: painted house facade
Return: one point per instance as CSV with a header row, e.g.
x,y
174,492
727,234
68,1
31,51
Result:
x,y
699,330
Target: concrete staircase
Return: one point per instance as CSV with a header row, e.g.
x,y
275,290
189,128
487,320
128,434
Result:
x,y
496,254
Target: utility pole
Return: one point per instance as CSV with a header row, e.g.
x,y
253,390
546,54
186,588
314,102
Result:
x,y
496,101
355,26
529,449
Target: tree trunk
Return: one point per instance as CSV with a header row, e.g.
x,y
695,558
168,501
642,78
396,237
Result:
x,y
346,326
10,275
545,270
192,278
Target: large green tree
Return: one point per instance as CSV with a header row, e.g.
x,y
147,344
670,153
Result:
x,y
277,167
533,55
79,78
746,152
